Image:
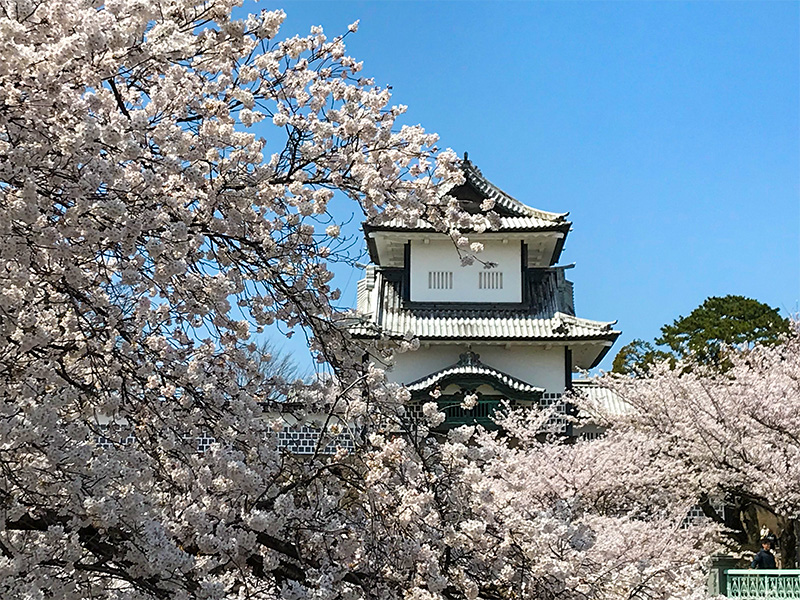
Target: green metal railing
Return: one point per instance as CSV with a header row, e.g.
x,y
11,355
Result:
x,y
758,584
481,414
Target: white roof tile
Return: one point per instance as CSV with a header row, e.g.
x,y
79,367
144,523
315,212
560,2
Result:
x,y
506,224
514,215
601,397
396,319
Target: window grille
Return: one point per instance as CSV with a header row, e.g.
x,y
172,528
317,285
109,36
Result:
x,y
696,516
552,401
440,280
490,280
114,434
304,439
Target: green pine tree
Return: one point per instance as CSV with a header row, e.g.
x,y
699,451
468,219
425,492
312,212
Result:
x,y
703,337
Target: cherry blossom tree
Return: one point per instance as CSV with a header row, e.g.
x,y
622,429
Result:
x,y
592,519
166,181
735,433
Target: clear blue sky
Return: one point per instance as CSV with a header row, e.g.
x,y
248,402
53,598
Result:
x,y
669,130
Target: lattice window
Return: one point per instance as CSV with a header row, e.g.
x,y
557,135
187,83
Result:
x,y
483,410
440,280
696,516
552,402
490,280
303,439
558,419
114,434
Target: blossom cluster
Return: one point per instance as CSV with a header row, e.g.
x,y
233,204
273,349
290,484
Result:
x,y
167,175
729,435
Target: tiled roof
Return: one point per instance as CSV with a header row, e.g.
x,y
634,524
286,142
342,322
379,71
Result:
x,y
505,224
544,319
603,398
500,326
501,198
473,368
513,214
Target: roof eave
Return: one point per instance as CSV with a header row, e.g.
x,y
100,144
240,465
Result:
x,y
604,337
559,246
605,350
563,227
478,181
494,377
372,247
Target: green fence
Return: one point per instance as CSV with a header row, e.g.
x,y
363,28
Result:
x,y
757,584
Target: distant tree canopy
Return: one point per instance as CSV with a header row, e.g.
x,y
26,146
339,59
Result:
x,y
636,357
718,323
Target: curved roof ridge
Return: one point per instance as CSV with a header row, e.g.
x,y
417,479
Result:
x,y
507,201
470,364
572,319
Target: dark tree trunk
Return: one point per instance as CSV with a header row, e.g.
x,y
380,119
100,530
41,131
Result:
x,y
788,541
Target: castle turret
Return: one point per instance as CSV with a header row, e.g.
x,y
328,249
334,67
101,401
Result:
x,y
503,326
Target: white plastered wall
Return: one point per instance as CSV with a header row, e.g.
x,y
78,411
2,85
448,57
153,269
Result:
x,y
436,262
533,364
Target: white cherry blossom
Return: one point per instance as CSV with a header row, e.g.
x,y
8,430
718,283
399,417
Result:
x,y
166,180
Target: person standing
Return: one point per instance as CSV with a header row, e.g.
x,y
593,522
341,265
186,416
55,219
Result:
x,y
764,559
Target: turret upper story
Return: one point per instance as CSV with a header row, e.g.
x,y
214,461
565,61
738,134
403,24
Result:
x,y
512,292
525,243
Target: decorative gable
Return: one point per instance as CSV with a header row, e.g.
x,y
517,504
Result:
x,y
470,392
470,373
